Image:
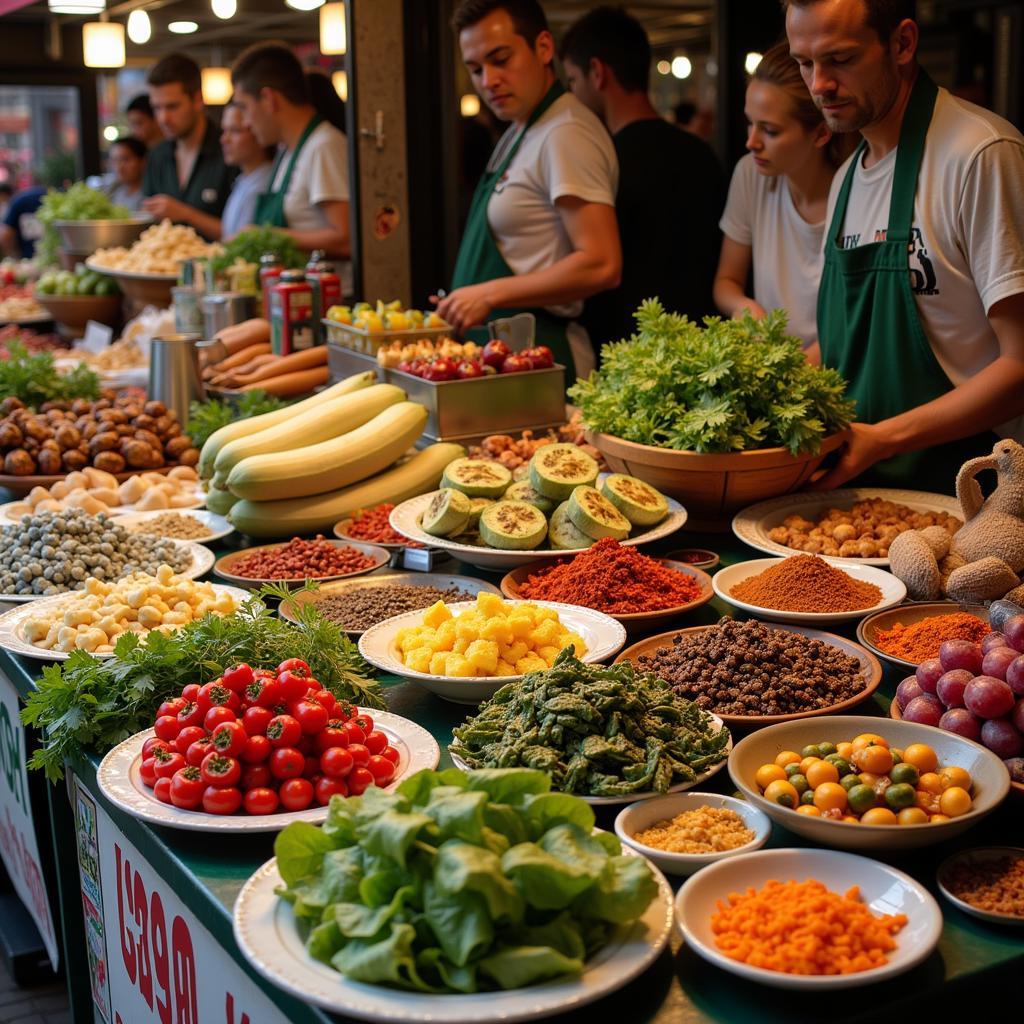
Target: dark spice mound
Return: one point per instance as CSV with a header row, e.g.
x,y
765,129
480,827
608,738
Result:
x,y
359,608
747,668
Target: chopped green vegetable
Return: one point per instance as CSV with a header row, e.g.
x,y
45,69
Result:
x,y
204,418
734,385
86,704
78,202
33,378
459,882
250,245
596,730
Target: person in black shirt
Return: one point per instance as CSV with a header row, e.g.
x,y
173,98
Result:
x,y
671,186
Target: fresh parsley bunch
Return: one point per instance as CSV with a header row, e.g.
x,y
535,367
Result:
x,y
734,385
32,377
206,418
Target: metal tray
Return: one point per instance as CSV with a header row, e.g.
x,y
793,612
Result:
x,y
360,340
457,409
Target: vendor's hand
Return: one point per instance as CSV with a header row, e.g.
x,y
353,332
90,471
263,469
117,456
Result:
x,y
465,307
755,309
165,206
866,444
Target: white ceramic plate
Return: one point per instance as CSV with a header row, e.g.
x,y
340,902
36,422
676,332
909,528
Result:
x,y
893,592
218,524
981,855
120,782
602,634
753,524
405,518
11,623
131,275
884,889
202,561
12,511
267,935
635,798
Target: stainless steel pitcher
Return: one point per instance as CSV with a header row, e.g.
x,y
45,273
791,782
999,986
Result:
x,y
174,376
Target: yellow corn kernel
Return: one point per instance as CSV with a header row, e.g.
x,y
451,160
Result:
x,y
461,645
418,660
444,639
521,625
466,628
531,663
489,604
576,640
504,668
457,665
546,633
436,614
438,662
543,614
498,630
483,655
548,654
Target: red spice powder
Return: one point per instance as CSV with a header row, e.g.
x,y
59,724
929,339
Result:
x,y
372,525
610,577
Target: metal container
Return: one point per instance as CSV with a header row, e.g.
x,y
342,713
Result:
x,y
84,237
187,317
224,309
174,376
355,338
459,409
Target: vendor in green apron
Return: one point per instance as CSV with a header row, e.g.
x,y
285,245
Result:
x,y
921,303
541,234
308,194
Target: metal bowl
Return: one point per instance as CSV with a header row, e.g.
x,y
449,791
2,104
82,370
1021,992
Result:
x,y
84,237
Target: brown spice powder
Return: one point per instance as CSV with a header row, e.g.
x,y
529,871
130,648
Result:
x,y
996,886
806,583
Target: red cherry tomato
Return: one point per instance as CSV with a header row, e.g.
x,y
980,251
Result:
x,y
382,770
198,750
286,763
293,685
218,695
187,788
283,731
229,738
217,714
222,799
167,727
219,770
312,767
256,750
326,787
190,692
255,776
153,743
354,733
191,714
365,722
360,755
327,699
332,736
391,754
304,744
293,665
296,794
311,716
187,737
147,772
336,762
166,764
171,707
357,781
256,719
238,677
162,790
271,693
260,800
375,741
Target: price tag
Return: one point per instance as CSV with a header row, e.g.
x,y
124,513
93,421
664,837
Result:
x,y
97,337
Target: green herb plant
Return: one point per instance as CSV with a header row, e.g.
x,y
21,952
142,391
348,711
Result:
x,y
88,705
32,377
734,385
78,202
596,730
205,418
249,245
459,882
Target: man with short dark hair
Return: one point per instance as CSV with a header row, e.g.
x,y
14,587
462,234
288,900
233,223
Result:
x,y
186,177
541,234
671,185
921,302
141,122
308,194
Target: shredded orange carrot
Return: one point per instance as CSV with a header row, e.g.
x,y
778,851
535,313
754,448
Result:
x,y
803,928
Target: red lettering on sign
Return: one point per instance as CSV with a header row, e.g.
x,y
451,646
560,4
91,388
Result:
x,y
145,982
229,1011
124,890
185,994
160,958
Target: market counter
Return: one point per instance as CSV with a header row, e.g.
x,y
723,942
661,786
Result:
x,y
156,940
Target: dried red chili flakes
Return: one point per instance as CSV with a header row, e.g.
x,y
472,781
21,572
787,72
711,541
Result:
x,y
373,525
302,559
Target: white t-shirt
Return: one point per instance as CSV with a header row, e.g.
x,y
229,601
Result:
x,y
567,152
786,251
240,209
320,175
967,239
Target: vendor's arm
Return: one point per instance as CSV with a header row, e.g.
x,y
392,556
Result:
x,y
335,239
730,289
594,265
161,206
990,397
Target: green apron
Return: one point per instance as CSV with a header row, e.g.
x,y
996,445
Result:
x,y
480,258
270,204
868,324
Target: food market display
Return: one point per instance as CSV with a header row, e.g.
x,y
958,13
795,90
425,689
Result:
x,y
52,552
448,360
123,354
920,641
138,603
15,341
396,353
31,379
497,914
257,368
206,418
598,732
159,250
77,202
356,609
301,559
384,316
748,668
174,525
990,881
373,525
806,583
701,830
514,453
80,281
17,302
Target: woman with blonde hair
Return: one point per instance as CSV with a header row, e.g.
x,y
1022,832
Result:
x,y
775,215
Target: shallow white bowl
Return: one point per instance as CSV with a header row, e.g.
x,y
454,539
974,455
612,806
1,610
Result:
x,y
884,889
637,817
989,775
217,524
893,592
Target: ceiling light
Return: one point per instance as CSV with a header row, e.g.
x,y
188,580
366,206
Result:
x,y
681,67
110,133
139,27
76,6
216,84
664,67
469,105
224,9
303,5
751,61
182,28
332,28
103,44
340,82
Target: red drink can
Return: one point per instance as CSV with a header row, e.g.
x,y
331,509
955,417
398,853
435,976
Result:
x,y
291,314
326,286
270,272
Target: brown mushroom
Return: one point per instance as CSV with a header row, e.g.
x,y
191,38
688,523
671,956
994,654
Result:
x,y
9,404
67,436
37,428
10,435
112,462
175,446
19,463
81,406
155,409
73,459
139,455
189,457
144,422
49,461
149,437
103,442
